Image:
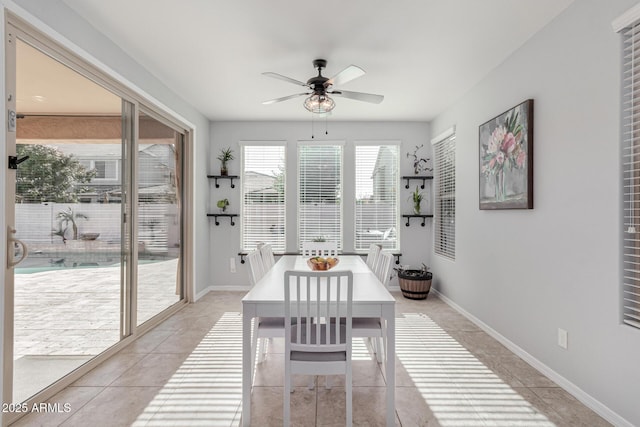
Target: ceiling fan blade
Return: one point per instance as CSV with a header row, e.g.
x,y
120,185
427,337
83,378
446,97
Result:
x,y
285,78
284,98
346,75
359,96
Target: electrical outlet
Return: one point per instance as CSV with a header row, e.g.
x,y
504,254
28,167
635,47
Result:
x,y
232,265
563,338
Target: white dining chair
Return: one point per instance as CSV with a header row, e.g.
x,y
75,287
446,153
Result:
x,y
316,348
324,249
264,327
383,266
268,260
373,328
372,255
256,266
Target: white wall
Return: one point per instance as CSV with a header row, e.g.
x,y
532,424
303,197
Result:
x,y
225,240
527,273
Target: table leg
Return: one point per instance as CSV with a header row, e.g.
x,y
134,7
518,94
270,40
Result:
x,y
389,314
247,316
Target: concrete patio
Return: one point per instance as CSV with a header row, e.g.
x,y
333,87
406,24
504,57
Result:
x,y
65,316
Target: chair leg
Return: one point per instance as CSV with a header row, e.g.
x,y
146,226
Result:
x,y
263,350
379,348
288,378
374,347
254,347
383,351
349,397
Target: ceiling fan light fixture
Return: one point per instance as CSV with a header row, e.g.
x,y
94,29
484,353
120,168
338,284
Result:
x,y
319,104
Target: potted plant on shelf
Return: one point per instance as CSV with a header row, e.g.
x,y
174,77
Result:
x,y
419,163
222,204
414,284
225,155
417,197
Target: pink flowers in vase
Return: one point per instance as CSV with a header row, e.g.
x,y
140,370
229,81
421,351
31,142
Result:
x,y
505,149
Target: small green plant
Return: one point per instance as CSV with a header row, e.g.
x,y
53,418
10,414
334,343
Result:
x,y
225,156
222,204
417,197
319,239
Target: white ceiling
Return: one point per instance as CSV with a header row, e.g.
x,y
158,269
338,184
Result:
x,y
422,55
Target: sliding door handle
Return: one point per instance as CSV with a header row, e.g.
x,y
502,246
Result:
x,y
11,243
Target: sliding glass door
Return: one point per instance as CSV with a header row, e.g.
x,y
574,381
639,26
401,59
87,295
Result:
x,y
159,217
67,210
81,276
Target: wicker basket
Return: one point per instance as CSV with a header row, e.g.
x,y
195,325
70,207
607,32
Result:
x,y
415,286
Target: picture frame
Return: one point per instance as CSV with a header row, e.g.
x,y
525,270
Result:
x,y
506,159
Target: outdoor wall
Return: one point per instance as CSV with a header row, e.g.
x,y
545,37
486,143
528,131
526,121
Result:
x,y
225,239
157,225
526,273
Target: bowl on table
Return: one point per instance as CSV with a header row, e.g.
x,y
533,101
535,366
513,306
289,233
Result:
x,y
318,263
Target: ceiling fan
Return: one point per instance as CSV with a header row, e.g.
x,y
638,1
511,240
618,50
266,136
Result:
x,y
318,100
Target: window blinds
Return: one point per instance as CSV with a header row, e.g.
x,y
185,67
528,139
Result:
x,y
445,197
263,196
319,192
377,207
631,175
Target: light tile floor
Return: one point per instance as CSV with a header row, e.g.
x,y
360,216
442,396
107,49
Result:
x,y
187,372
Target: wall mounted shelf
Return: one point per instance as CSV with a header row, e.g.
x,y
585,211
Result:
x,y
231,177
422,178
424,218
230,216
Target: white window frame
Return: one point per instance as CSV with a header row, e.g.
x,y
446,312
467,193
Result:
x,y
396,225
341,144
92,166
442,191
628,25
243,213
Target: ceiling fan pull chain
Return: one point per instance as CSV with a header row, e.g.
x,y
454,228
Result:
x,y
326,124
312,131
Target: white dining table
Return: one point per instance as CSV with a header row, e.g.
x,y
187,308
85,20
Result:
x,y
370,299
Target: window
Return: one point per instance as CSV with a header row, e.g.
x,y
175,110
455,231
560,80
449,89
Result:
x,y
631,175
377,207
320,192
445,194
263,195
105,169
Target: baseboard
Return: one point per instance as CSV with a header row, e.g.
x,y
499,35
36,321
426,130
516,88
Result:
x,y
203,293
241,288
567,385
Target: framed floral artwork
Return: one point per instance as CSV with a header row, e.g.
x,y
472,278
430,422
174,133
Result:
x,y
506,159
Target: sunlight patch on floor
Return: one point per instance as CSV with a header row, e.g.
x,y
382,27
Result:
x,y
457,387
207,389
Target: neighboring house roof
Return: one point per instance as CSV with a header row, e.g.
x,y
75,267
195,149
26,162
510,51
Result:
x,y
256,181
91,151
